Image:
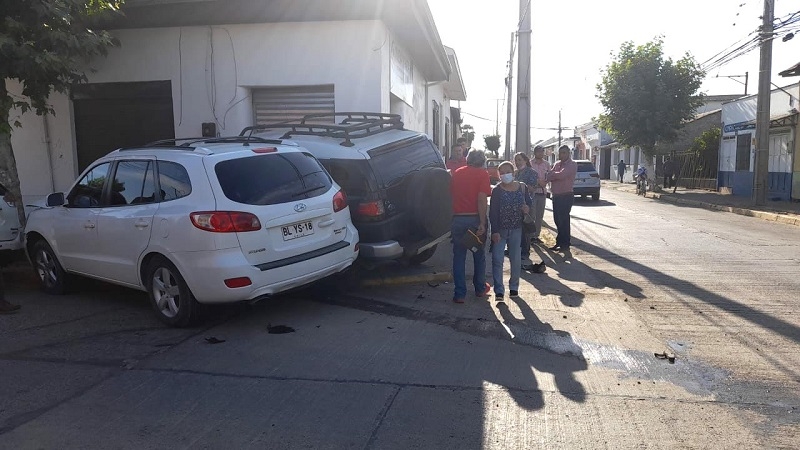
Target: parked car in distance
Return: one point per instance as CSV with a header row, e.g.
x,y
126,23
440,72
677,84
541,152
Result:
x,y
587,180
491,168
206,220
395,179
10,233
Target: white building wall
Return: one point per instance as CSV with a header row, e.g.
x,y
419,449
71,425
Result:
x,y
36,151
213,69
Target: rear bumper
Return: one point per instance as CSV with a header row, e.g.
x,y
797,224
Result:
x,y
206,272
13,244
585,190
389,250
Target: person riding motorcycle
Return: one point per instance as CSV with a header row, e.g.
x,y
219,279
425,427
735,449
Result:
x,y
641,176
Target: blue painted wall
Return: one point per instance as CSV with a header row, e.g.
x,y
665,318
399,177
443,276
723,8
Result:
x,y
780,184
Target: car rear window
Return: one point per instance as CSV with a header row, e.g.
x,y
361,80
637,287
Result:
x,y
272,179
393,163
586,167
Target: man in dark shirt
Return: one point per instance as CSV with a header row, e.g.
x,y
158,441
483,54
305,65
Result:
x,y
470,188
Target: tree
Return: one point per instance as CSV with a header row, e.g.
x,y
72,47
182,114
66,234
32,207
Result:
x,y
706,152
469,133
46,45
647,98
492,143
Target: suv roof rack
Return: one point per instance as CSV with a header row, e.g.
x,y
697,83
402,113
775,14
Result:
x,y
354,125
173,143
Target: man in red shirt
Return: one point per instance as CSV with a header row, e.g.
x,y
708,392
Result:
x,y
470,188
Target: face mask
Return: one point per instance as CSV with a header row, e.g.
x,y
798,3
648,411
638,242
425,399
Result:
x,y
507,177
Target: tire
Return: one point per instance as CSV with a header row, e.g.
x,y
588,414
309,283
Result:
x,y
431,205
596,197
423,256
169,294
54,280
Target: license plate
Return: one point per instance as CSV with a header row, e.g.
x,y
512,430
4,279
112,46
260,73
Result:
x,y
297,230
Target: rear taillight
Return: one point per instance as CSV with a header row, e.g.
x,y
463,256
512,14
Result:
x,y
225,221
594,175
234,283
371,209
339,201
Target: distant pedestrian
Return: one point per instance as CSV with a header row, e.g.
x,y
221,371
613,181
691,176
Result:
x,y
669,172
621,171
464,143
456,159
525,174
541,166
470,189
562,178
509,203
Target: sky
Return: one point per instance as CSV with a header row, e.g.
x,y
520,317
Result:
x,y
573,40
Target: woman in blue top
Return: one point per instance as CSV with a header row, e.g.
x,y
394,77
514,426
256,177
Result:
x,y
526,174
509,202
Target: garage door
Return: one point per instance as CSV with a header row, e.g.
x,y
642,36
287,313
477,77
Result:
x,y
113,115
279,104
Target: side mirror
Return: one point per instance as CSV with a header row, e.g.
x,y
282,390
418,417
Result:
x,y
56,199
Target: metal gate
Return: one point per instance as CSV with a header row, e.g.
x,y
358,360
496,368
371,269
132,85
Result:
x,y
283,103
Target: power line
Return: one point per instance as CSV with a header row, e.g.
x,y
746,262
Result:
x,y
513,124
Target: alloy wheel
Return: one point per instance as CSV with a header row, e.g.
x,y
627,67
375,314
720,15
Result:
x,y
166,292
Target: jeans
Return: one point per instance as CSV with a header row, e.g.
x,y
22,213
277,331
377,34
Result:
x,y
513,239
459,226
539,201
562,205
667,181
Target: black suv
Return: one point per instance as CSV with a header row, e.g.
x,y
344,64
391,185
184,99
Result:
x,y
397,186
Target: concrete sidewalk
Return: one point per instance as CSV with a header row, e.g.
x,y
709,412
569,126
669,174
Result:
x,y
776,211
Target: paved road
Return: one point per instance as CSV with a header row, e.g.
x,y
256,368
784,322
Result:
x,y
568,365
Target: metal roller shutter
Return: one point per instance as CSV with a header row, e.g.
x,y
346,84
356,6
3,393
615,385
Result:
x,y
278,104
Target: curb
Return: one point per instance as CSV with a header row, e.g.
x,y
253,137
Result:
x,y
763,215
787,219
408,279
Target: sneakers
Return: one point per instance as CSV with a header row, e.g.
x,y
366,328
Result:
x,y
458,300
513,293
486,290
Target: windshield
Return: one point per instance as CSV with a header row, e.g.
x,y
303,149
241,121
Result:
x,y
585,167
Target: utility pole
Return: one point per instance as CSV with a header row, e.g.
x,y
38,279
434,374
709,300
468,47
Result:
x,y
508,97
523,142
497,116
559,129
746,77
760,172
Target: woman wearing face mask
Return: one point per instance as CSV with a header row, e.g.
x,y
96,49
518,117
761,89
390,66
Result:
x,y
509,202
526,174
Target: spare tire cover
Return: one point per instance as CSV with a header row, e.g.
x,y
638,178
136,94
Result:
x,y
431,204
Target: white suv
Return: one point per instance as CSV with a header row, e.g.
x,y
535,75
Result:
x,y
209,221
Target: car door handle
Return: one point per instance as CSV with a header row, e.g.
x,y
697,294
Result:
x,y
88,226
141,224
326,223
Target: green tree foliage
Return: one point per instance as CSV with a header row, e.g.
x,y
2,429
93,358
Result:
x,y
492,142
45,45
706,150
469,133
646,97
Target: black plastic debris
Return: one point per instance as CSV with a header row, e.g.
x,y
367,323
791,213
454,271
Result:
x,y
279,329
213,340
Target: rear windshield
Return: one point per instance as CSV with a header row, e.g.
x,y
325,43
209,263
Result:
x,y
353,175
585,167
393,163
272,179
